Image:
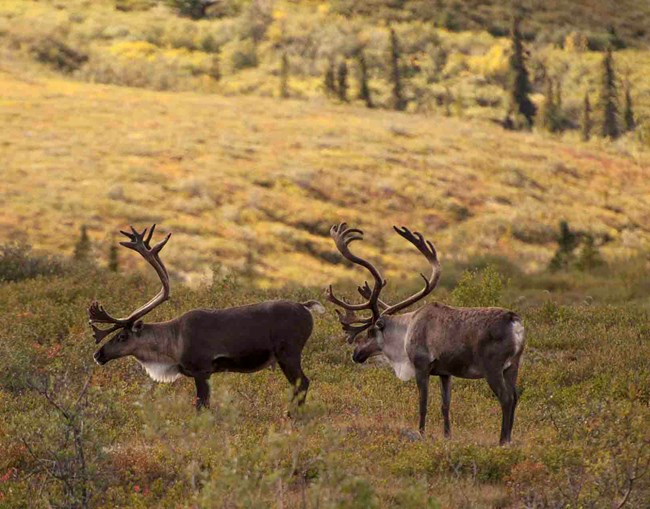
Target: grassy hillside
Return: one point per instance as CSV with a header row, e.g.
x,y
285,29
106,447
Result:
x,y
255,183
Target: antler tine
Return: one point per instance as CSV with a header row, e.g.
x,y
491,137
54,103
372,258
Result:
x,y
429,251
143,246
97,314
418,240
365,291
100,334
148,239
136,240
347,320
158,247
329,295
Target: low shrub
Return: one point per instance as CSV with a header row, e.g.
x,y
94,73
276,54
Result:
x,y
53,51
479,288
239,54
18,262
134,5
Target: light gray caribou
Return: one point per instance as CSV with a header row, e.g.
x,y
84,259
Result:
x,y
204,341
434,339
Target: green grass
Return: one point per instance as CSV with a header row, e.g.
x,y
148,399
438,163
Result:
x,y
581,425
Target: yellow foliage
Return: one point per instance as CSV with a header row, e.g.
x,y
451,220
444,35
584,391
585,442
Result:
x,y
576,41
493,63
279,14
133,49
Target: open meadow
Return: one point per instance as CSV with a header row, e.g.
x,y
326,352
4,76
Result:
x,y
118,113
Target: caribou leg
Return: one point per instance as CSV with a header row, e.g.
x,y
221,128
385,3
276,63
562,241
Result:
x,y
505,395
293,372
510,376
202,392
445,392
422,379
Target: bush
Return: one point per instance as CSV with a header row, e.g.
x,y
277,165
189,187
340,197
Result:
x,y
17,262
195,9
239,54
134,5
478,288
56,52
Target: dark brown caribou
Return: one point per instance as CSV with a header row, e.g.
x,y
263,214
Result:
x,y
205,341
435,339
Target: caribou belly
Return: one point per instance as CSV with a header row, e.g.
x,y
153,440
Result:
x,y
160,371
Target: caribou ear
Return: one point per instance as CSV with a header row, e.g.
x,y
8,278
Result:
x,y
136,328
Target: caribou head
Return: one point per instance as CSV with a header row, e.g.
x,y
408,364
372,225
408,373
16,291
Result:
x,y
377,323
132,331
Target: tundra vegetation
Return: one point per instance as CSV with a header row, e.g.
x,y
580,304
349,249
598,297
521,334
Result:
x,y
137,111
76,435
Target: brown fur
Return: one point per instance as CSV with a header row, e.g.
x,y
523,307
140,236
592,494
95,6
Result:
x,y
447,341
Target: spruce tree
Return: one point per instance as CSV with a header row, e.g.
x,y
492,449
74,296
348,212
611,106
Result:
x,y
284,75
398,101
564,255
585,119
342,81
589,257
195,9
519,82
549,117
608,99
628,112
82,247
113,260
364,88
329,81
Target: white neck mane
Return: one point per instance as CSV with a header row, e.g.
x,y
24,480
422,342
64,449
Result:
x,y
161,371
394,348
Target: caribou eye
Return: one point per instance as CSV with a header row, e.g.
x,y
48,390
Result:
x,y
380,324
122,337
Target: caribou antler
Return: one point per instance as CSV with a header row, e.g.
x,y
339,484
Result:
x,y
366,292
347,321
100,334
429,251
343,236
137,242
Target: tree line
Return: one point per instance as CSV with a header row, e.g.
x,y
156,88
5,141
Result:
x,y
610,115
522,113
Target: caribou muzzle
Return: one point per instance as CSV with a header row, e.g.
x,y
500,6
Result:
x,y
100,357
359,356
